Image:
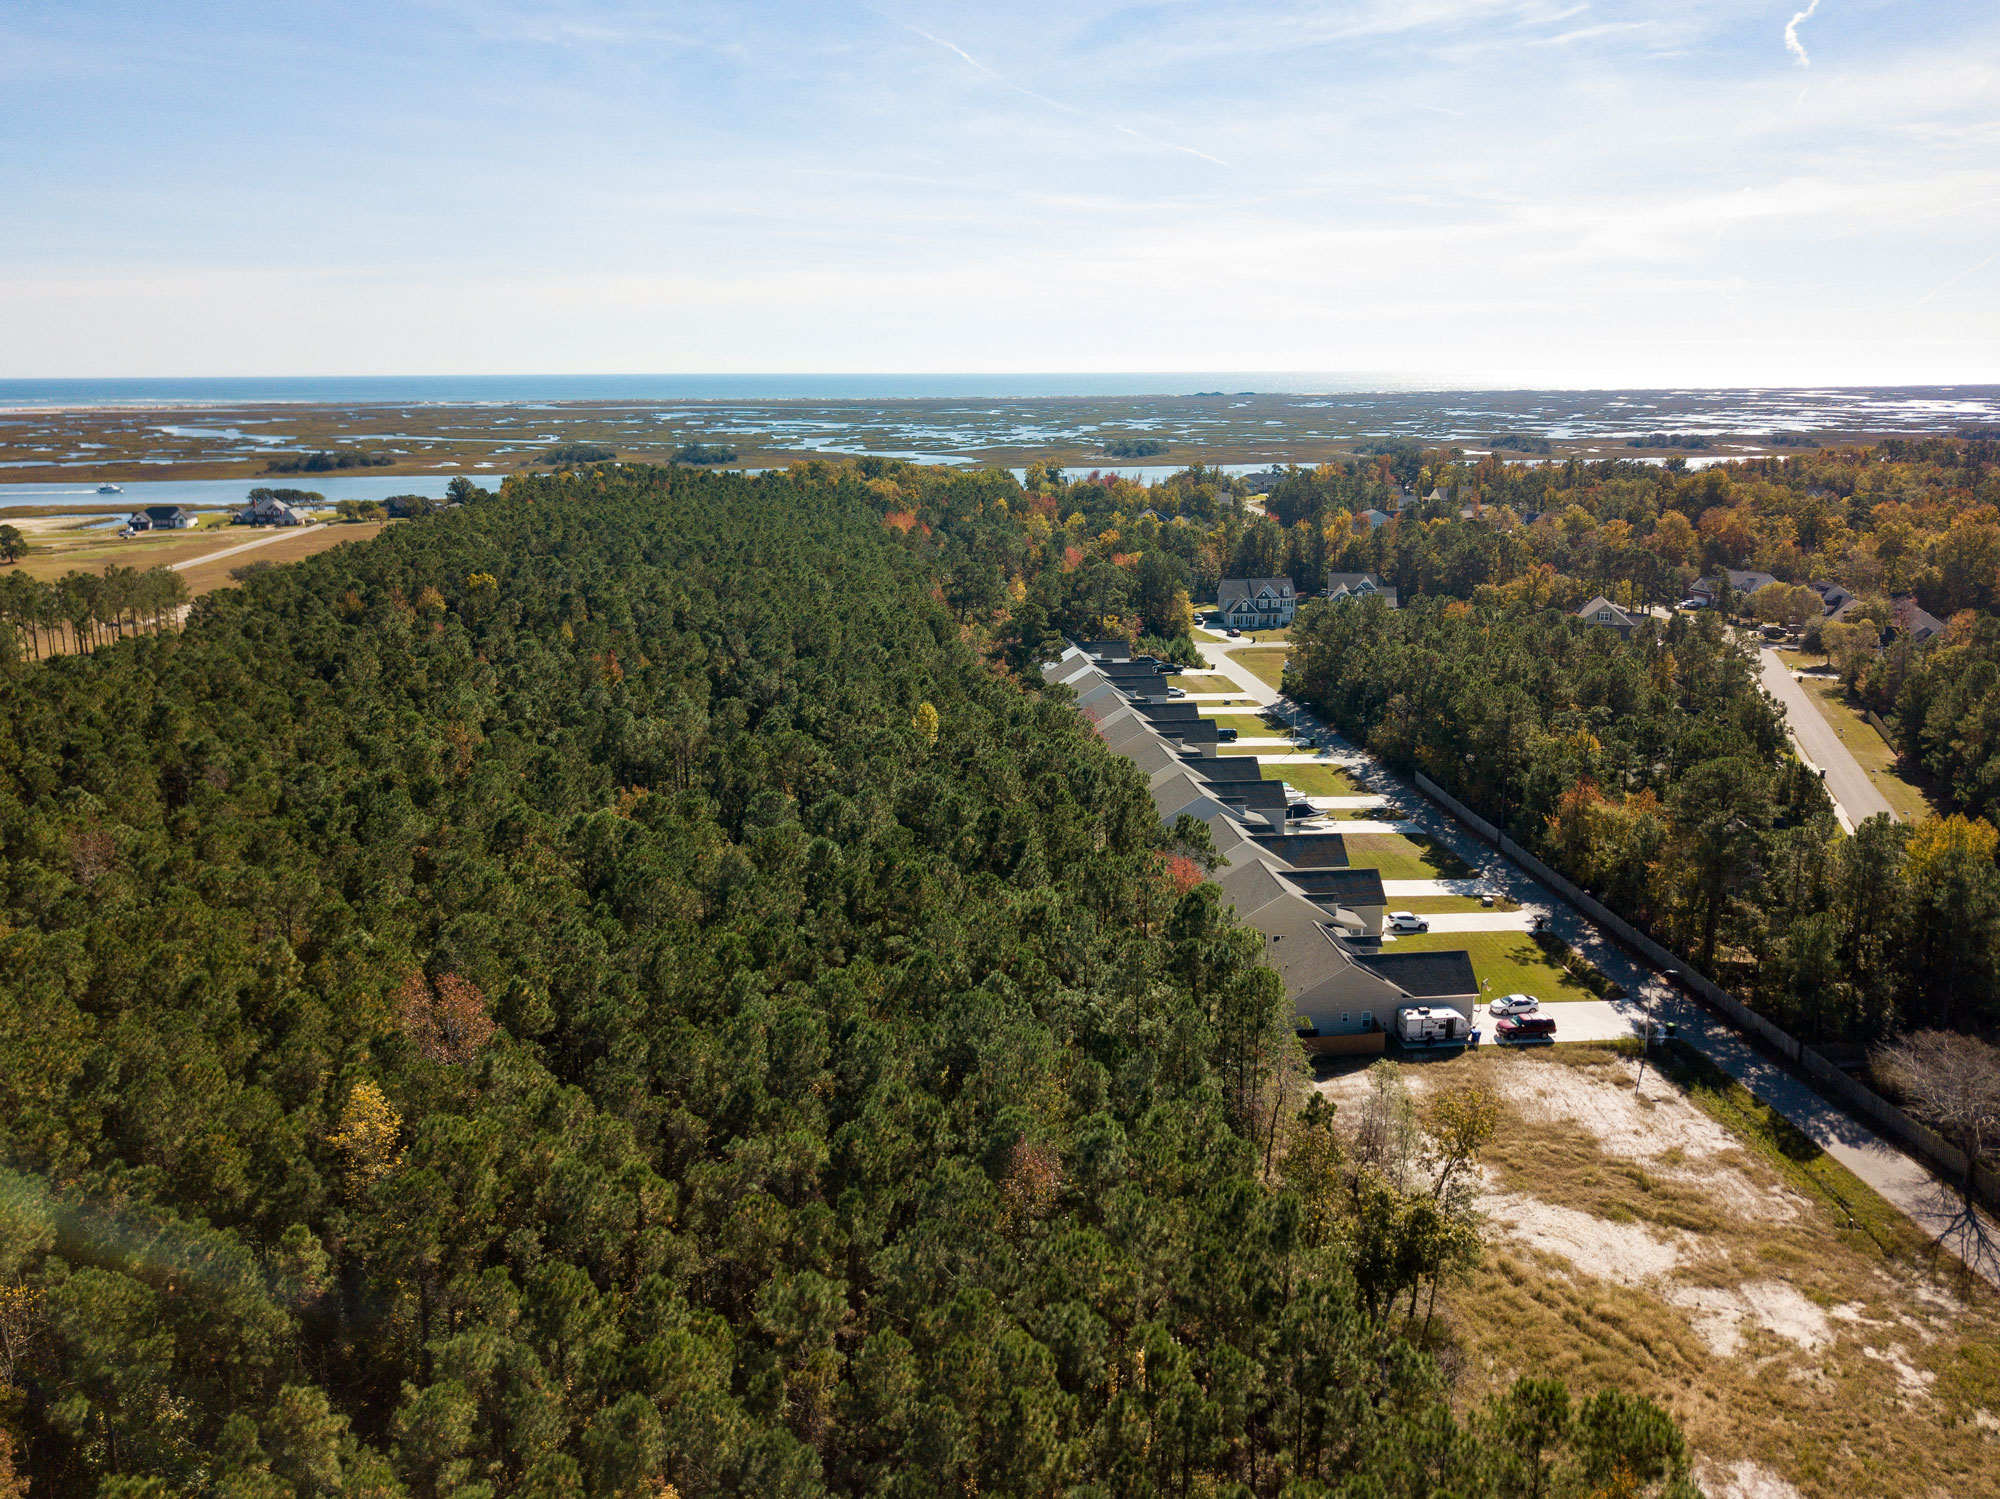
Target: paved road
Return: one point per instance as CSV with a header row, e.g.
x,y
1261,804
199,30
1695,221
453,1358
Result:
x,y
1901,1180
1854,795
278,534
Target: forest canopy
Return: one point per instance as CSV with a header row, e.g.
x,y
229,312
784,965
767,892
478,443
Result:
x,y
610,989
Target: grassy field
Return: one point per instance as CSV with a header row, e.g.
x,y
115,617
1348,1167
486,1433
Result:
x,y
206,577
1505,962
1206,681
1267,666
62,546
1680,1241
1404,858
1315,780
1870,750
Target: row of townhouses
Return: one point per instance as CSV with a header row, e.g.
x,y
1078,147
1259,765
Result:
x,y
1321,917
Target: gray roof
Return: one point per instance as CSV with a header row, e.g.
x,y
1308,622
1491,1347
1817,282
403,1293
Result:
x,y
1223,768
1425,975
1234,590
1306,850
1349,887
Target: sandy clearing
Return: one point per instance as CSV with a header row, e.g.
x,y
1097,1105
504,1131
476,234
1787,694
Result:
x,y
1743,1479
1648,1126
1914,1383
1628,1253
1720,1312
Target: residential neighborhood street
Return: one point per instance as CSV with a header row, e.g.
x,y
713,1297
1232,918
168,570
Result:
x,y
1854,795
1932,1204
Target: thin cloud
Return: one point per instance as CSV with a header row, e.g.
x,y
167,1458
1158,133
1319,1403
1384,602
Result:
x,y
1792,43
1070,109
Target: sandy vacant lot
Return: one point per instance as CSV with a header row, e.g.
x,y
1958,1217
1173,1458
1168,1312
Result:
x,y
1678,1241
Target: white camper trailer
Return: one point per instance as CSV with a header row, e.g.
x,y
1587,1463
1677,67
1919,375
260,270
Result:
x,y
1422,1025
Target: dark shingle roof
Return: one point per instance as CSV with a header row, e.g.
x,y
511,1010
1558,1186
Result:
x,y
1348,887
1424,975
1221,768
1306,850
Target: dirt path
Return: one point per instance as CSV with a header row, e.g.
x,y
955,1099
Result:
x,y
1910,1186
282,533
1854,795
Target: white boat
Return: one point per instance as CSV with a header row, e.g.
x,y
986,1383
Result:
x,y
109,489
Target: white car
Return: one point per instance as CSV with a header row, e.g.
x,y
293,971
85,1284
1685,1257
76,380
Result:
x,y
1514,1004
1407,921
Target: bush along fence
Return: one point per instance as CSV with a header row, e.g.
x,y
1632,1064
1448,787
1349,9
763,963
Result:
x,y
1947,1158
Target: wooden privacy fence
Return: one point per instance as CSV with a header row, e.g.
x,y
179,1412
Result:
x,y
1844,1090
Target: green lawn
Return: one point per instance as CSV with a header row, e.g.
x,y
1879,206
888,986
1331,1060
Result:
x,y
1399,857
1314,780
1438,905
1249,725
1267,666
1207,681
1870,750
1504,962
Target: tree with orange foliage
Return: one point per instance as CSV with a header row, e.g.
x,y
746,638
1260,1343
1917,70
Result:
x,y
448,1021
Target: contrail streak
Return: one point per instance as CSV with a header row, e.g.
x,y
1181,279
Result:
x,y
1069,109
1792,43
1954,280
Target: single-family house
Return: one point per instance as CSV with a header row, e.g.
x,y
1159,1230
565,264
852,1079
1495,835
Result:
x,y
161,518
1359,586
1371,517
1831,595
1601,611
1256,603
1108,650
1743,583
1912,619
268,510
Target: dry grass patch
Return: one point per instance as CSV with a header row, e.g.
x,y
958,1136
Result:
x,y
206,577
1681,1241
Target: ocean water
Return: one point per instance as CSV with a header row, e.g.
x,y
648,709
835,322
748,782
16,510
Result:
x,y
514,389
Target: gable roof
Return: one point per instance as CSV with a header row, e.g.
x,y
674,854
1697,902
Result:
x,y
1918,622
1347,887
1598,608
1306,850
1237,590
1425,975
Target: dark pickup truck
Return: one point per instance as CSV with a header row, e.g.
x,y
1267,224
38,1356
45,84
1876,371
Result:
x,y
1526,1028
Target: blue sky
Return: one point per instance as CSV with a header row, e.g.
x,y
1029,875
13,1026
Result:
x,y
1544,192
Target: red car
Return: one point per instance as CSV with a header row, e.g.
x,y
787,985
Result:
x,y
1526,1028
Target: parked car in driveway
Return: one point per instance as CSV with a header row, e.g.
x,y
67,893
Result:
x,y
1514,1004
1225,736
1177,692
1692,604
1406,921
1234,633
1526,1028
